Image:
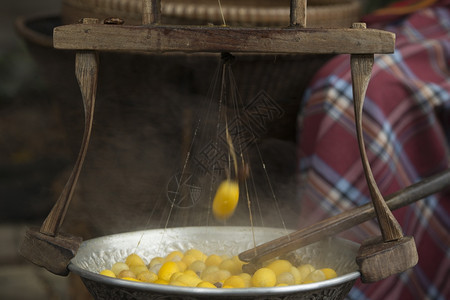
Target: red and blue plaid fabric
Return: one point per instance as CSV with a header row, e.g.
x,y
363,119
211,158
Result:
x,y
406,123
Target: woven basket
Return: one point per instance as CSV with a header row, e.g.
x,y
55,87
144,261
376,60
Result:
x,y
320,13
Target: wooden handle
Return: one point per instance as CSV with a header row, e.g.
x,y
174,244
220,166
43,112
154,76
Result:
x,y
345,220
86,71
361,69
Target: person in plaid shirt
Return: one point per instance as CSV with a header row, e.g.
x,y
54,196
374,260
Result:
x,y
406,125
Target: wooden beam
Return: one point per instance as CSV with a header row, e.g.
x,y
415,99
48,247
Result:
x,y
165,38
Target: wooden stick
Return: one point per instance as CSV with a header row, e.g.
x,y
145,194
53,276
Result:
x,y
298,13
151,12
361,69
346,220
86,69
165,38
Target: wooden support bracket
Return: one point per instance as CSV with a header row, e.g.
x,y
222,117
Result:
x,y
47,247
393,253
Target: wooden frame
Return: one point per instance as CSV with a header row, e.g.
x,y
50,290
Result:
x,y
91,36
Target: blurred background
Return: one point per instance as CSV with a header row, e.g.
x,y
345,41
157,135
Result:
x,y
26,169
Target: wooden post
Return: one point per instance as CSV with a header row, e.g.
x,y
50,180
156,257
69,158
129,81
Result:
x,y
361,68
391,253
86,69
298,13
47,247
151,12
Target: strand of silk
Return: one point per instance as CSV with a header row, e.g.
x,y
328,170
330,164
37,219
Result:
x,y
226,76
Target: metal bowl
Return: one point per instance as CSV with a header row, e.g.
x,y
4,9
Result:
x,y
100,253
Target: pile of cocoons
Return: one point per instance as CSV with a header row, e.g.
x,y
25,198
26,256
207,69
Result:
x,y
193,268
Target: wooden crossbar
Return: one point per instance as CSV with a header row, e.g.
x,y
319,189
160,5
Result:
x,y
165,38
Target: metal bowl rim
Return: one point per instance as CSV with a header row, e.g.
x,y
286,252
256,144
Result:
x,y
193,291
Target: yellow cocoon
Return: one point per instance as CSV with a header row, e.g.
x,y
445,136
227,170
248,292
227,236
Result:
x,y
226,199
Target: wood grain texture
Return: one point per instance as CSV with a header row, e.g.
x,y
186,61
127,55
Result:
x,y
378,260
52,253
298,13
159,38
151,11
361,66
361,70
393,253
86,71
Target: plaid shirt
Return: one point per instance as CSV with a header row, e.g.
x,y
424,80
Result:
x,y
406,123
